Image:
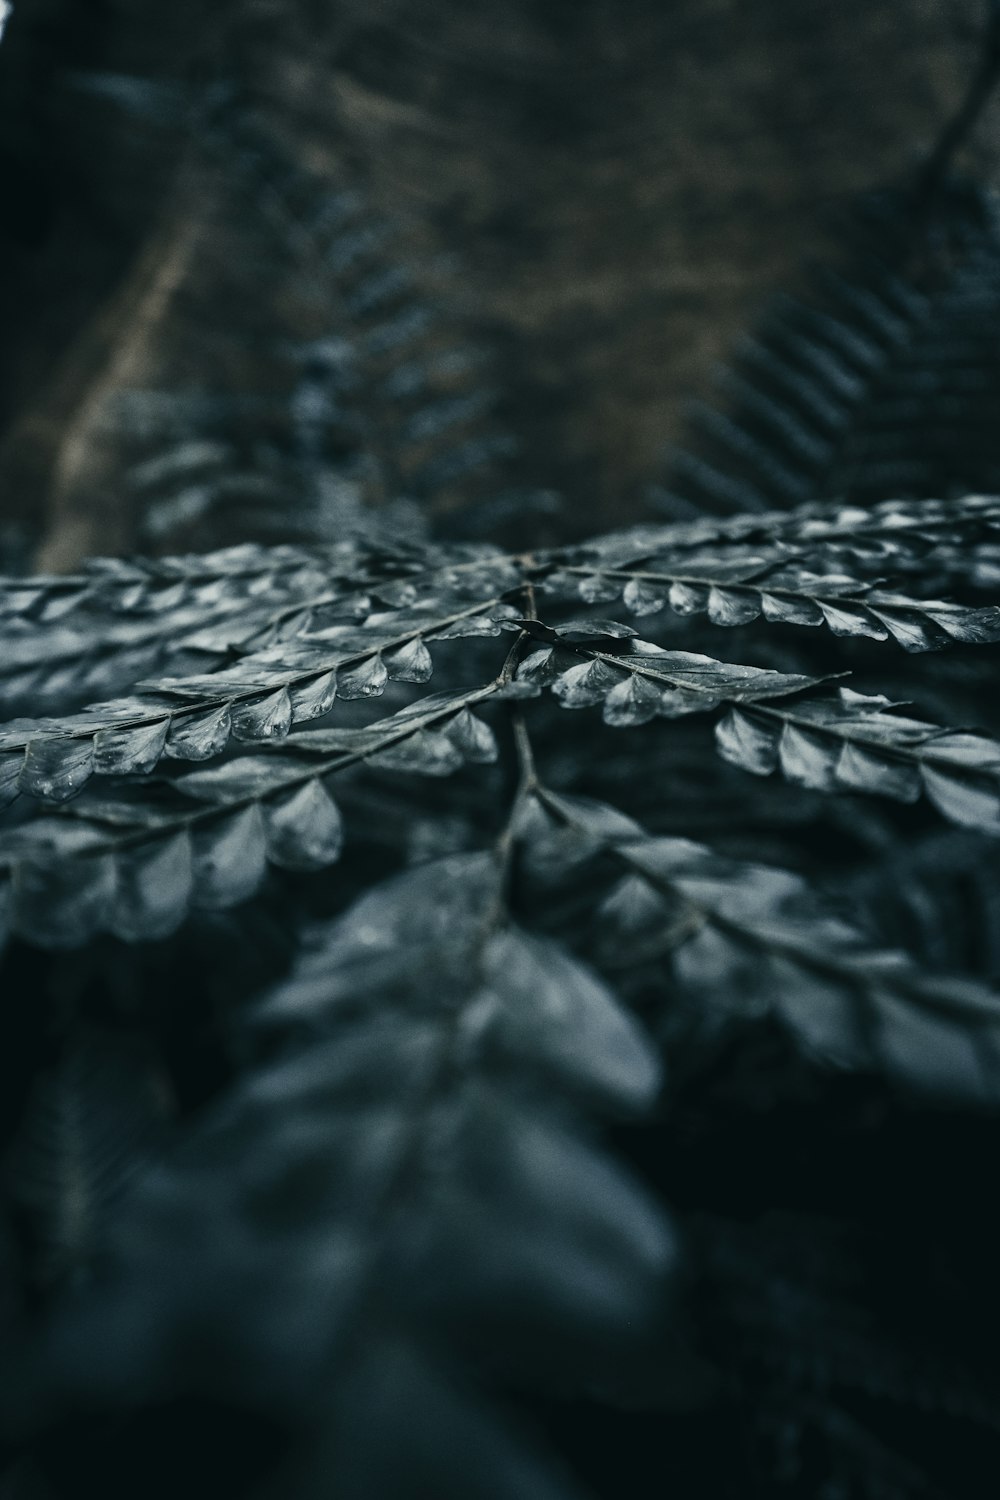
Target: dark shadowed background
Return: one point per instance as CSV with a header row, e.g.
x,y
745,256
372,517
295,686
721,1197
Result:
x,y
604,195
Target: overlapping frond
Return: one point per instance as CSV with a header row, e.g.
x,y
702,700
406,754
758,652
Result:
x,y
366,393
424,1155
756,942
886,384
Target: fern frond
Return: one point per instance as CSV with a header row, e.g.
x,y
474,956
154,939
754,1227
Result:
x,y
860,394
896,524
135,868
147,586
432,428
257,700
736,592
848,743
135,864
106,628
856,743
636,680
754,941
899,544
374,399
410,1188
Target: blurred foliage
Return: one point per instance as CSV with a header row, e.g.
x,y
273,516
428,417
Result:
x,y
494,1091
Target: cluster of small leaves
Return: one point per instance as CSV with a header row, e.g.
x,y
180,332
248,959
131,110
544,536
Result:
x,y
757,942
826,572
285,638
69,636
